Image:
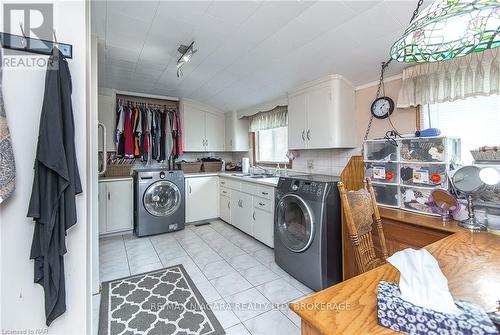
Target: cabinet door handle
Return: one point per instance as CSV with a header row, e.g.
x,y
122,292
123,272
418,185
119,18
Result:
x,y
109,195
303,138
229,205
224,192
261,204
308,131
189,189
265,193
253,215
223,182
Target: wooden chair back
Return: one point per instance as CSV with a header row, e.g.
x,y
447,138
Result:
x,y
361,214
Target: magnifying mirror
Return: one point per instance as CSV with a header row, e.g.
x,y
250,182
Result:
x,y
468,180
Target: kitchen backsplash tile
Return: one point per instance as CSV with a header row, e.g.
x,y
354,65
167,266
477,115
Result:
x,y
324,161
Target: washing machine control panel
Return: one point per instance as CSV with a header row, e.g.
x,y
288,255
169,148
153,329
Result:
x,y
306,187
162,175
309,187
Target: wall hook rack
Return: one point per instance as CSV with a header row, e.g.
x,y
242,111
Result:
x,y
34,45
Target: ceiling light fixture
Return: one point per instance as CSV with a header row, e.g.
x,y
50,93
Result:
x,y
448,29
186,51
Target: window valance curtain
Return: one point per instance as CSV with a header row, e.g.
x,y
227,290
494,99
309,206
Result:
x,y
474,75
274,118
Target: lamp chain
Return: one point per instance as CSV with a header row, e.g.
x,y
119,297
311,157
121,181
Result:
x,y
381,82
415,12
380,86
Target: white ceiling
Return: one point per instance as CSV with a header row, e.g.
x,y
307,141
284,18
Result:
x,y
248,51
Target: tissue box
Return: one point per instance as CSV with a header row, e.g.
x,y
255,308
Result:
x,y
405,317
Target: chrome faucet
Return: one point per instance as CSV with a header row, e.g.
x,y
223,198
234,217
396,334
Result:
x,y
261,168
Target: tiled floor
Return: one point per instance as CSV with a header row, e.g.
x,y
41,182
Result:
x,y
229,268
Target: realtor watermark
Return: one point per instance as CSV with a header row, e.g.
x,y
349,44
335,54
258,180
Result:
x,y
252,306
25,331
34,22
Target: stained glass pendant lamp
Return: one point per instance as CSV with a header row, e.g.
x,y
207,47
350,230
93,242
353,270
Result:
x,y
448,29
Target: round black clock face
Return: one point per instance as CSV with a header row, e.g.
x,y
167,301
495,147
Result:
x,y
382,107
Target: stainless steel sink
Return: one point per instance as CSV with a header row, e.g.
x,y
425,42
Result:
x,y
253,176
259,176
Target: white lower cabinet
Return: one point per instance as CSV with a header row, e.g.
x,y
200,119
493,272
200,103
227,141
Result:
x,y
241,211
225,205
263,221
115,205
202,199
251,208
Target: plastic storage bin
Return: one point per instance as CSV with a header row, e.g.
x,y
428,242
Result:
x,y
382,172
380,150
430,149
426,175
386,194
416,199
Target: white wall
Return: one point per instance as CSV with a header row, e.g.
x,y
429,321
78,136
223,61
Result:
x,y
22,301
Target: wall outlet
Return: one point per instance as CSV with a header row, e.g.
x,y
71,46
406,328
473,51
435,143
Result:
x,y
310,164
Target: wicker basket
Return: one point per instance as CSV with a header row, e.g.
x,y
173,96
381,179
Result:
x,y
190,167
118,170
485,155
212,166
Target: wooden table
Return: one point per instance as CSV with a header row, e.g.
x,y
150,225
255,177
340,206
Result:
x,y
470,261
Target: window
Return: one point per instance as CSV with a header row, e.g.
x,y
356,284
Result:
x,y
271,145
475,120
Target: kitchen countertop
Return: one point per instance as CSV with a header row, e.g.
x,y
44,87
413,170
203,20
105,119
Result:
x,y
470,262
263,181
103,179
420,220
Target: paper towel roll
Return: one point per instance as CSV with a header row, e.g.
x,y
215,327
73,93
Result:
x,y
245,165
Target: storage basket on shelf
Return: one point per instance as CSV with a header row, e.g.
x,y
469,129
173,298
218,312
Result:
x,y
118,170
189,167
118,167
212,166
491,154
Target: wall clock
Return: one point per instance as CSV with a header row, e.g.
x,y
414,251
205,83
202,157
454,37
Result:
x,y
382,107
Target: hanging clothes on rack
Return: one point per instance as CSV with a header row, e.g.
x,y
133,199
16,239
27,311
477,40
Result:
x,y
179,138
137,131
169,141
56,183
147,131
128,133
119,138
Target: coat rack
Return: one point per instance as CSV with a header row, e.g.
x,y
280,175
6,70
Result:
x,y
34,45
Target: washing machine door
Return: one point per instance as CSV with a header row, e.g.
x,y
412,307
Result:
x,y
162,198
295,223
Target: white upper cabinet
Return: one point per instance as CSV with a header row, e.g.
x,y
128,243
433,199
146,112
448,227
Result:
x,y
203,127
321,115
214,132
194,129
297,122
236,133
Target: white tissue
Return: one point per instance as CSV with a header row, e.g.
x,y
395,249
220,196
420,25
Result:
x,y
421,281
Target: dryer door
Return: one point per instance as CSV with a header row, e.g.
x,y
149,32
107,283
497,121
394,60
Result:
x,y
295,223
162,198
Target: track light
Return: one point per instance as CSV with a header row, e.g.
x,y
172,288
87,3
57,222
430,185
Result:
x,y
186,51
